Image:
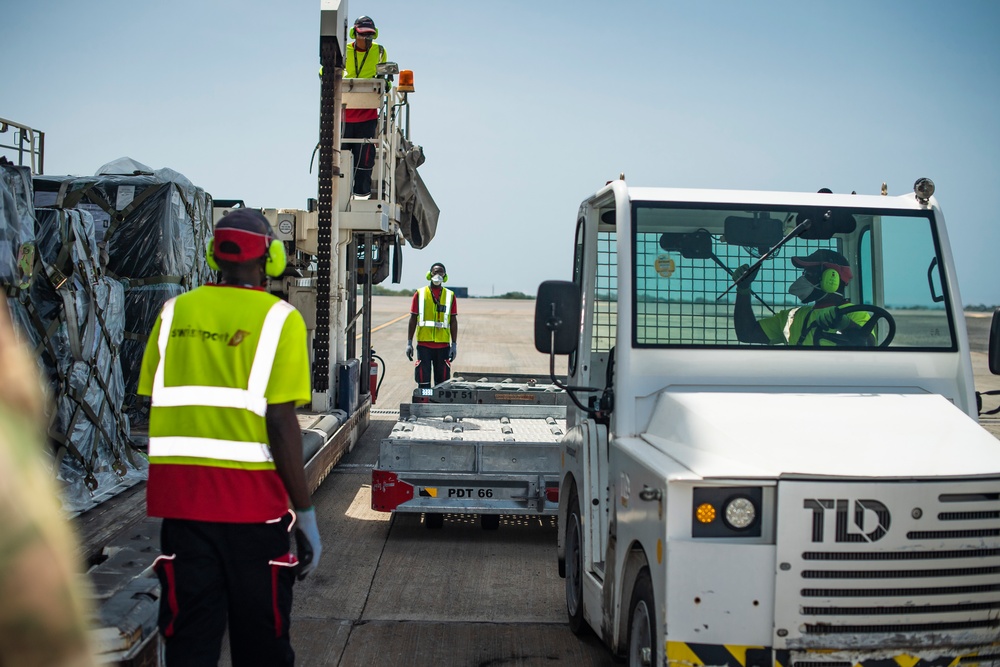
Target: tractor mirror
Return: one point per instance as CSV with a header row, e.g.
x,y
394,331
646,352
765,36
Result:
x,y
557,317
752,232
994,350
693,245
825,223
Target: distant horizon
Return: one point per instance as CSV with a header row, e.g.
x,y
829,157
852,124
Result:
x,y
971,307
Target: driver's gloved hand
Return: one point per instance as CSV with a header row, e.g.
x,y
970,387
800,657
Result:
x,y
828,318
743,286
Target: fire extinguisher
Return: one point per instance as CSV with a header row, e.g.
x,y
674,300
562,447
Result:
x,y
374,381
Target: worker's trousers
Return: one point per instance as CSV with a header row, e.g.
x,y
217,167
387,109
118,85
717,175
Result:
x,y
364,154
428,357
211,573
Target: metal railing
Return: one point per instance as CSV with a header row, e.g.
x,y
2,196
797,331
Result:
x,y
26,143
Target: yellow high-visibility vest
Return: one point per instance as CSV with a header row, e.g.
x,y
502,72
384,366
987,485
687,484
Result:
x,y
434,326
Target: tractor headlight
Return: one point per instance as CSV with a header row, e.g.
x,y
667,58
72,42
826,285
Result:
x,y
720,511
740,513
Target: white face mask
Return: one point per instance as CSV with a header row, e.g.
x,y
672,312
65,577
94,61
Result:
x,y
437,279
802,289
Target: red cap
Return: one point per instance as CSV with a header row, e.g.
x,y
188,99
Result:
x,y
242,235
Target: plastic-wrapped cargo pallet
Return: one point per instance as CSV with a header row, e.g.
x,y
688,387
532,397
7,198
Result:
x,y
71,315
152,227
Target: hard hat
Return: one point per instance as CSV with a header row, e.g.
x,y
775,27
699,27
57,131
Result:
x,y
364,26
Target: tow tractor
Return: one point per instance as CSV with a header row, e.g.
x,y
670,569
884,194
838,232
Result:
x,y
736,504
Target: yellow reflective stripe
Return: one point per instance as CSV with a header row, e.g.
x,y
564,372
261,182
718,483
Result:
x,y
210,448
267,347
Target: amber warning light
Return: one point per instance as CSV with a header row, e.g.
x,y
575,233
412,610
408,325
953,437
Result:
x,y
406,81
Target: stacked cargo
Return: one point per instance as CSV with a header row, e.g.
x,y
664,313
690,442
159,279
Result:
x,y
151,227
87,263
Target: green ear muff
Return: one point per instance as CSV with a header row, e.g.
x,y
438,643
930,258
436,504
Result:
x,y
210,255
277,259
829,282
444,278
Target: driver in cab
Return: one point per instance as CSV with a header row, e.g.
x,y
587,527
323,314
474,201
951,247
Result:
x,y
821,321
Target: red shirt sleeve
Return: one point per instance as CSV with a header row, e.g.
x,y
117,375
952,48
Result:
x,y
415,306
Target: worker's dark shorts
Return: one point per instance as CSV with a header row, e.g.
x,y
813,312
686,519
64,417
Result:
x,y
214,573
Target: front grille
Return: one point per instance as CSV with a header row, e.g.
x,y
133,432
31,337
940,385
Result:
x,y
929,628
898,574
952,534
913,561
902,609
904,555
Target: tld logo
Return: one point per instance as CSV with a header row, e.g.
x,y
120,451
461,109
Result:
x,y
856,520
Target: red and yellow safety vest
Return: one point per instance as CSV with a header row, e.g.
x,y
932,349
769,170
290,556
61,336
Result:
x,y
209,453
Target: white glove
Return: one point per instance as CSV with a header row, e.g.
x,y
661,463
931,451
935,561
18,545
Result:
x,y
307,540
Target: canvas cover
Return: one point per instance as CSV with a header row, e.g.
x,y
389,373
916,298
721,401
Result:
x,y
418,211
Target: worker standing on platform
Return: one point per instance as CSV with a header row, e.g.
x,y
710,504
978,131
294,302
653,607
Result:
x,y
433,317
225,367
361,62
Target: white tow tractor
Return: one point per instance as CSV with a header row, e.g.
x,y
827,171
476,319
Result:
x,y
750,505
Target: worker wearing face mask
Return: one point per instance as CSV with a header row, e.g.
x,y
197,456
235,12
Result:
x,y
433,318
825,274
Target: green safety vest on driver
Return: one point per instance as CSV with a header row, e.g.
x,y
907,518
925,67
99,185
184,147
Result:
x,y
786,326
434,326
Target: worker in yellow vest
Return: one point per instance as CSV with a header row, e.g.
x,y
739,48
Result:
x,y
361,62
820,321
225,367
434,320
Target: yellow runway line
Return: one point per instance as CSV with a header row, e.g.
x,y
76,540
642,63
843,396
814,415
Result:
x,y
383,326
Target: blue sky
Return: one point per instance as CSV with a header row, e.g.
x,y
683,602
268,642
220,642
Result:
x,y
525,108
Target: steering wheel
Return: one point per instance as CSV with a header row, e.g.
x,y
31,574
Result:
x,y
859,335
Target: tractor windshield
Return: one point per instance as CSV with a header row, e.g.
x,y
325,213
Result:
x,y
830,278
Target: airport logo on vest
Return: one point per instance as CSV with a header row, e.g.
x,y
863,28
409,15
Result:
x,y
210,336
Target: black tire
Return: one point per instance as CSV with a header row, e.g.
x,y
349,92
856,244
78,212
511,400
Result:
x,y
434,520
574,567
642,622
489,521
